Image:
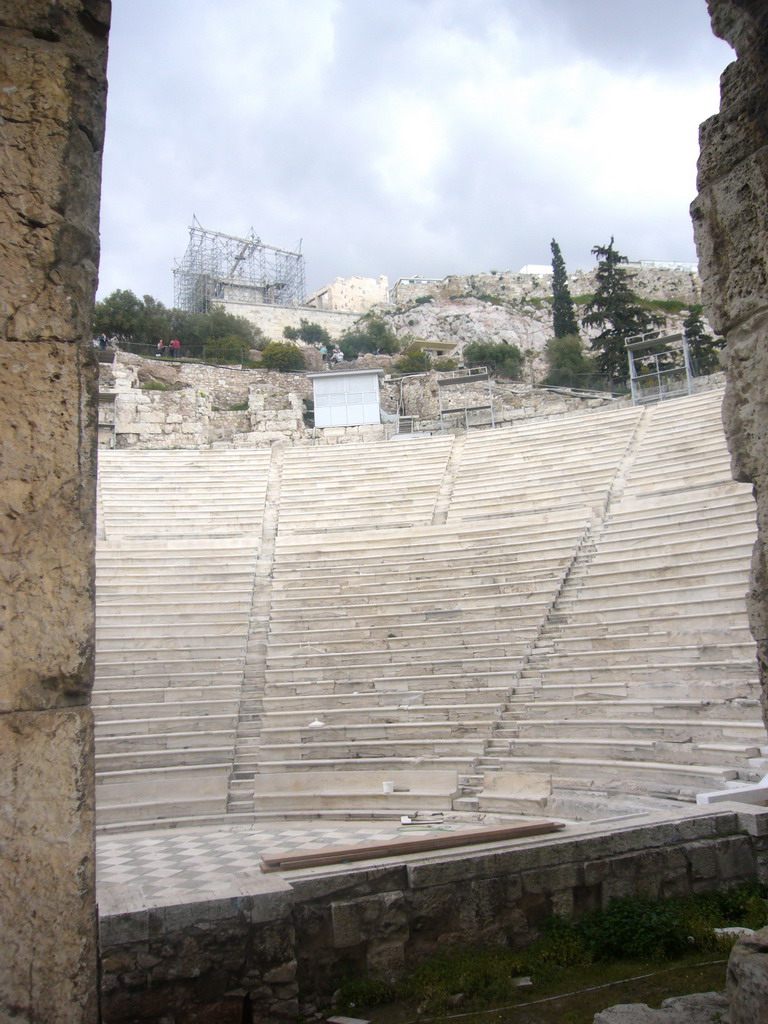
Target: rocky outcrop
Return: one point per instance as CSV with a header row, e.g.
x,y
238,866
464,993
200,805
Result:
x,y
730,218
648,282
747,980
459,322
702,1008
53,58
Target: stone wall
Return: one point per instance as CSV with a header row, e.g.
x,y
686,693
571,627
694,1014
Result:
x,y
284,945
198,407
272,319
650,283
53,59
730,219
351,294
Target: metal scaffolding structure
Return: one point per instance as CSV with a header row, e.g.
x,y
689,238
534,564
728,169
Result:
x,y
218,268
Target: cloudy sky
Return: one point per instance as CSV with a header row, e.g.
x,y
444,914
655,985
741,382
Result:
x,y
403,137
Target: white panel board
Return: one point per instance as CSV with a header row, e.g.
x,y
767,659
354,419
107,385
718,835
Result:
x,y
346,399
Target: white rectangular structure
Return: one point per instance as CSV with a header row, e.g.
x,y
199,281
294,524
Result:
x,y
346,398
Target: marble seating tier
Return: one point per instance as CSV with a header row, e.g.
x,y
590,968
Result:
x,y
546,613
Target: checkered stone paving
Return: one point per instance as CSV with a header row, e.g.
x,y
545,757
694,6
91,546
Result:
x,y
186,865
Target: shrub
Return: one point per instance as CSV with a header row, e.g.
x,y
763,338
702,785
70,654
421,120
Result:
x,y
444,365
635,927
155,385
373,336
417,361
283,356
568,365
503,360
309,333
229,349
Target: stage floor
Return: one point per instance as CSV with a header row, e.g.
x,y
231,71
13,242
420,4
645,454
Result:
x,y
160,867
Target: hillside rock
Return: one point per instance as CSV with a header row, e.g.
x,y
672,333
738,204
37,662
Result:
x,y
527,324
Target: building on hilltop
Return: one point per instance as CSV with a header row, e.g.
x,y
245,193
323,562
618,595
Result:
x,y
350,294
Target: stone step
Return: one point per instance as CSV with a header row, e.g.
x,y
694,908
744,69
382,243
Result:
x,y
387,669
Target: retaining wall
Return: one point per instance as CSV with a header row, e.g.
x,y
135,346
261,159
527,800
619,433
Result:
x,y
280,944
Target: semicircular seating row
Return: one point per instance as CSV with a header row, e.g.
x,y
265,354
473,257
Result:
x,y
490,622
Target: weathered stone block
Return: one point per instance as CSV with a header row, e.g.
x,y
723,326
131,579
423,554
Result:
x,y
46,651
378,916
740,128
747,979
730,218
47,920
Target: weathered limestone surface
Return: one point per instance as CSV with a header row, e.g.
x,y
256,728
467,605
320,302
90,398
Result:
x,y
747,981
272,320
52,67
702,1008
730,219
649,282
201,961
47,909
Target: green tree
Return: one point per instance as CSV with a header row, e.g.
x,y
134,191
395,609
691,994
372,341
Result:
x,y
204,327
703,347
370,334
503,359
564,322
121,313
145,321
617,311
568,366
309,333
283,356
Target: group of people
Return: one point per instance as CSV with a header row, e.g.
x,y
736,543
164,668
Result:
x,y
172,349
334,356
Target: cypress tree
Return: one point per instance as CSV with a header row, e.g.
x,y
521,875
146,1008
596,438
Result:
x,y
617,311
703,348
564,323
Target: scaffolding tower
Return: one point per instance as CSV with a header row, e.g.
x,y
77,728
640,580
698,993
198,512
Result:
x,y
219,268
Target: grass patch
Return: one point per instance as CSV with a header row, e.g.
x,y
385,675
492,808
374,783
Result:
x,y
672,306
155,385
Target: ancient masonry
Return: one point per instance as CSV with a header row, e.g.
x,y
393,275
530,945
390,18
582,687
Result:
x,y
53,124
730,218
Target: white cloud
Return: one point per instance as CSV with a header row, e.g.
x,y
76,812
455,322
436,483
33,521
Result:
x,y
434,136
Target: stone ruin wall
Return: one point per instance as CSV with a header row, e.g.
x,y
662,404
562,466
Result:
x,y
53,68
271,320
649,283
351,294
198,409
730,217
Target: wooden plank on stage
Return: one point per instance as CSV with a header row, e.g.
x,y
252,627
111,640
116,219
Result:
x,y
276,861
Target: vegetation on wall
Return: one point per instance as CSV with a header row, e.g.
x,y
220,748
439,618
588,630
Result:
x,y
642,934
